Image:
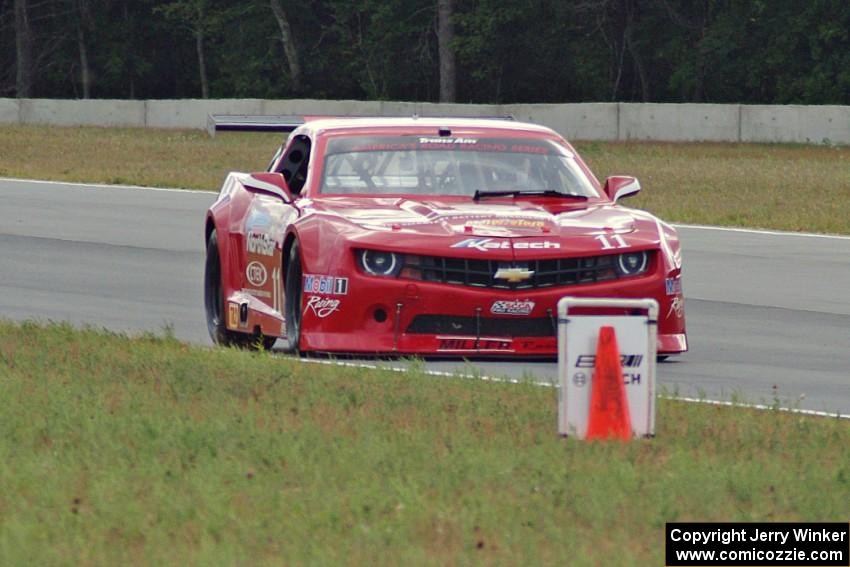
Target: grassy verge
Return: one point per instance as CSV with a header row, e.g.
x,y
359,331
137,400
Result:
x,y
153,158
787,187
148,451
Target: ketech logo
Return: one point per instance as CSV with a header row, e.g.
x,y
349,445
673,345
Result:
x,y
485,244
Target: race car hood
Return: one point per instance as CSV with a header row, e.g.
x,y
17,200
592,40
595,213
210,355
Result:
x,y
511,219
496,229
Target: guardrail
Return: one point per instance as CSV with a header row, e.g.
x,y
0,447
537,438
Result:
x,y
576,121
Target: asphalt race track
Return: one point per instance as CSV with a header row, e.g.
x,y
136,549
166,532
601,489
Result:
x,y
768,313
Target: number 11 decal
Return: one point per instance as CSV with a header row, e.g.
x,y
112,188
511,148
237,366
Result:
x,y
606,243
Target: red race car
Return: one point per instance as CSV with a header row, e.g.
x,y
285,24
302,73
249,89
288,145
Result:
x,y
427,236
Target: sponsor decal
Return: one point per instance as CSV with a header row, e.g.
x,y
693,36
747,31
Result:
x,y
485,244
448,140
469,343
452,143
257,219
529,149
257,292
610,242
328,285
340,286
232,315
256,274
460,144
673,285
541,345
513,223
260,243
322,306
629,378
677,306
626,360
400,146
512,307
277,290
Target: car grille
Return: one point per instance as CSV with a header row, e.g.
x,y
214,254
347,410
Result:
x,y
481,273
482,326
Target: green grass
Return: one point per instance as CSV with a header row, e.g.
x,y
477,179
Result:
x,y
787,187
149,451
188,159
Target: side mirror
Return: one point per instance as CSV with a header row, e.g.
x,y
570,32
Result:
x,y
620,186
272,183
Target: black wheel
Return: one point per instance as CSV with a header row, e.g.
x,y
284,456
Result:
x,y
214,295
292,299
214,305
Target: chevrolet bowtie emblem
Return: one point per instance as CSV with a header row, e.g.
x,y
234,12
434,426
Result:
x,y
513,275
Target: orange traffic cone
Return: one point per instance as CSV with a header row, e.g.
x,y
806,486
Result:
x,y
609,408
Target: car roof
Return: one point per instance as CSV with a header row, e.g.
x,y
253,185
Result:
x,y
468,125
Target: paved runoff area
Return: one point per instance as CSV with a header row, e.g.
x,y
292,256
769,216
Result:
x,y
768,313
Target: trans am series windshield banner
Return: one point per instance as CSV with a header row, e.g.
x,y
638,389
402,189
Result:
x,y
440,143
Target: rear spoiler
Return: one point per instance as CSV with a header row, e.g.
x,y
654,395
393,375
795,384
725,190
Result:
x,y
283,123
252,123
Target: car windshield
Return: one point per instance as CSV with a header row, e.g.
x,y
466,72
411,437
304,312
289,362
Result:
x,y
447,165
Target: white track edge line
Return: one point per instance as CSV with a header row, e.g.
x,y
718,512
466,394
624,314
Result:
x,y
763,407
108,186
204,191
761,231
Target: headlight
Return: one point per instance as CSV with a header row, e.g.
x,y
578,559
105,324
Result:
x,y
379,263
632,263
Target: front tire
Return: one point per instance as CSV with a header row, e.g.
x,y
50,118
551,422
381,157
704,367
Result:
x,y
293,299
214,305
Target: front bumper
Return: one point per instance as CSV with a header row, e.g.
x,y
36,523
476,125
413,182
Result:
x,y
382,315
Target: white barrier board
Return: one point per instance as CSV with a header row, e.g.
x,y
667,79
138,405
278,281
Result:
x,y
577,341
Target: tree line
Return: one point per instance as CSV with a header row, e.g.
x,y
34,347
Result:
x,y
483,51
